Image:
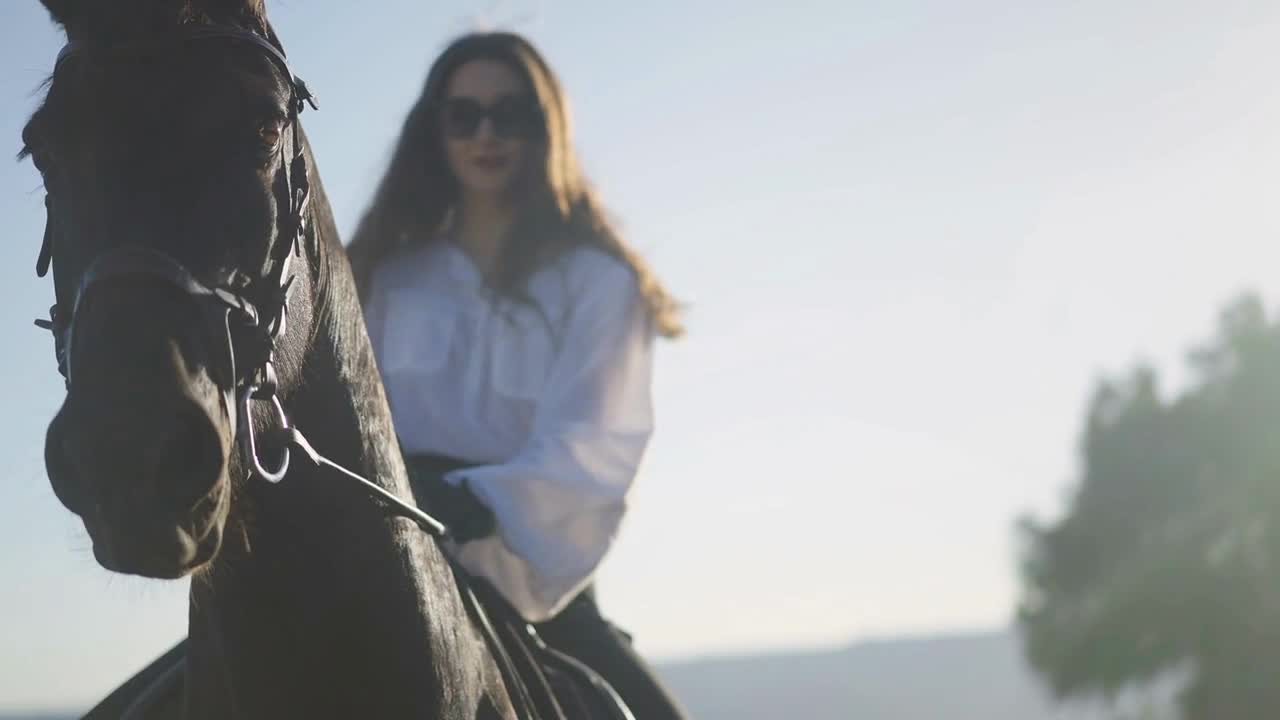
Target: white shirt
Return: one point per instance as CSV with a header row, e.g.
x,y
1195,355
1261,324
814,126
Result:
x,y
553,406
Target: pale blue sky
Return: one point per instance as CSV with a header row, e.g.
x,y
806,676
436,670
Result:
x,y
911,233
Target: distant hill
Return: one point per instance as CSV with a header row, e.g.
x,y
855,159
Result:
x,y
979,676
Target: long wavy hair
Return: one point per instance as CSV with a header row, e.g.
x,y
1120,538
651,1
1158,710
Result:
x,y
556,208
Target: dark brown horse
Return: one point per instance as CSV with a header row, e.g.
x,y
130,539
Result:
x,y
186,225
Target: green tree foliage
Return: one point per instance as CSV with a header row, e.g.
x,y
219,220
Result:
x,y
1168,556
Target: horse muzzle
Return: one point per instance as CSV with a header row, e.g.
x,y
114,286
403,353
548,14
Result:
x,y
140,448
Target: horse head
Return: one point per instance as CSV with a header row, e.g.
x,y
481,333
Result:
x,y
177,182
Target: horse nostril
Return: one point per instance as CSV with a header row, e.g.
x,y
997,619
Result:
x,y
187,460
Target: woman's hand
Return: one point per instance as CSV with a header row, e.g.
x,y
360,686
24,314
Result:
x,y
456,506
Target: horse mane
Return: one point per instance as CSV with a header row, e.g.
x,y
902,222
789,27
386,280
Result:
x,y
335,298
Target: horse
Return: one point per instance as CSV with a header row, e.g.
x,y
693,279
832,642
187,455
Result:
x,y
208,328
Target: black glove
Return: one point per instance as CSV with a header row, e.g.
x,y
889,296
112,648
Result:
x,y
456,506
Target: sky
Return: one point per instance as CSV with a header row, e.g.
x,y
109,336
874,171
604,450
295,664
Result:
x,y
912,236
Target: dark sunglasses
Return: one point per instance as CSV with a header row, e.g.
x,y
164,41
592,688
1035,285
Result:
x,y
512,117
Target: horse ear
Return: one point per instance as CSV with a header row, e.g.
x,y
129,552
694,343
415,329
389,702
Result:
x,y
61,10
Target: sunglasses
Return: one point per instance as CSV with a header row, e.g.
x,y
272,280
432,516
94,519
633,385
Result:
x,y
512,117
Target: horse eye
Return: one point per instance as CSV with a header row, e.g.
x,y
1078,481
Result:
x,y
270,132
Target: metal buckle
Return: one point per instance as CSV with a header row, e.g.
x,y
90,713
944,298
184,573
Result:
x,y
250,437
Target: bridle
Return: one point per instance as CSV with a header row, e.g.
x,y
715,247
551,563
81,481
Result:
x,y
247,332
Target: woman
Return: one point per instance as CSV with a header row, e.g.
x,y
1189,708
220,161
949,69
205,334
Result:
x,y
513,328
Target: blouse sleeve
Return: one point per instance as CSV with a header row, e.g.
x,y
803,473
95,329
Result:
x,y
560,500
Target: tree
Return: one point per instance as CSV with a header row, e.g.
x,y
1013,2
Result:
x,y
1168,556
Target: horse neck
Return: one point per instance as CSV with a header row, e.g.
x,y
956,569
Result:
x,y
319,604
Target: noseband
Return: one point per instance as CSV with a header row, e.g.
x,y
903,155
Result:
x,y
245,331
